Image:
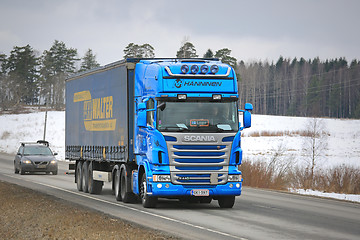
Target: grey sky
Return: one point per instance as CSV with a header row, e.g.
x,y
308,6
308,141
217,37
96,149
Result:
x,y
253,30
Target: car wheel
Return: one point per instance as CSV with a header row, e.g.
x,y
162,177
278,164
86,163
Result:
x,y
55,172
22,172
146,200
15,169
226,202
79,176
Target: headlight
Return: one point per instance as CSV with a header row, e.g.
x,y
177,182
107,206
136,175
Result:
x,y
26,161
234,178
161,178
53,162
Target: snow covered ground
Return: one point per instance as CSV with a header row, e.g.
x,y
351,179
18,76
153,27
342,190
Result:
x,y
343,141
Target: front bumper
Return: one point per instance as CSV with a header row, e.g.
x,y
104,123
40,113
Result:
x,y
35,168
167,189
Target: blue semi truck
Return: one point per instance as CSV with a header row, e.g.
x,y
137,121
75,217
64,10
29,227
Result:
x,y
157,128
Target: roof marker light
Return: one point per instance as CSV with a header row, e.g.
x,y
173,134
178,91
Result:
x,y
194,69
184,68
204,69
214,69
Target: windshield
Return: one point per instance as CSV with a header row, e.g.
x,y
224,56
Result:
x,y
37,150
197,116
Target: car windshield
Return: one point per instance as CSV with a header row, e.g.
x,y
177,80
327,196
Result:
x,y
197,116
37,150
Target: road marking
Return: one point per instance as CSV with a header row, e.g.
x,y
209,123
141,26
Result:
x,y
130,208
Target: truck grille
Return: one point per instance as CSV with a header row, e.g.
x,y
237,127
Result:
x,y
199,163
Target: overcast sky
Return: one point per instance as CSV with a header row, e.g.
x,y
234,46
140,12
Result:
x,y
252,29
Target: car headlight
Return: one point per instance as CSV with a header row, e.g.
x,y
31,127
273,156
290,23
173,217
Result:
x,y
53,162
234,178
26,161
161,178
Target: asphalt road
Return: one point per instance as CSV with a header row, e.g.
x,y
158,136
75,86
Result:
x,y
257,214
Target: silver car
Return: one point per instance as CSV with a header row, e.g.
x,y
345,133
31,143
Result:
x,y
35,157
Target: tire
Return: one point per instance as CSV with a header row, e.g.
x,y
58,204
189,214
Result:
x,y
126,195
78,176
117,185
85,178
22,172
94,186
55,172
16,171
226,202
146,200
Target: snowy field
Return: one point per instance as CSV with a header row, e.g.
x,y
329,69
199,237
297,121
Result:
x,y
343,141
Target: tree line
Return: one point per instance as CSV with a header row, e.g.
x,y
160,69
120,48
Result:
x,y
294,87
27,77
299,87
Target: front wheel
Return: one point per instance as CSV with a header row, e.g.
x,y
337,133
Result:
x,y
226,202
146,200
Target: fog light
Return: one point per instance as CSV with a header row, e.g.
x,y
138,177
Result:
x,y
238,185
231,185
167,185
159,185
216,97
181,96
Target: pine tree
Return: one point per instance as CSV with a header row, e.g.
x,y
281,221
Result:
x,y
224,56
22,70
187,50
88,61
57,64
209,54
133,50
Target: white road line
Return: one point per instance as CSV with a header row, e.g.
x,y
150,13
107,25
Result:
x,y
133,209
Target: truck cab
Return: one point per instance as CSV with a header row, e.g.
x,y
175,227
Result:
x,y
187,136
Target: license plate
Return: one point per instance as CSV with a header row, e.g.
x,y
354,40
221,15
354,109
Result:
x,y
200,192
41,166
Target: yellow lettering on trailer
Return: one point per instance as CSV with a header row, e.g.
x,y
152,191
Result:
x,y
98,112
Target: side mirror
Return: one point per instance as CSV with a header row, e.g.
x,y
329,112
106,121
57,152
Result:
x,y
55,154
248,107
141,118
247,119
19,154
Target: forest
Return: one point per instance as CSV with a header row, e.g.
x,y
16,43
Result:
x,y
293,87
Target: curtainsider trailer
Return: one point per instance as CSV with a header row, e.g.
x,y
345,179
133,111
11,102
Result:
x,y
157,128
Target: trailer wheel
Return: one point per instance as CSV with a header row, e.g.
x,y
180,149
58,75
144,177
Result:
x,y
226,202
94,186
78,176
117,185
126,195
146,200
85,178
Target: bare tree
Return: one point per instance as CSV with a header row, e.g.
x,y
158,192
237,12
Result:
x,y
315,144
